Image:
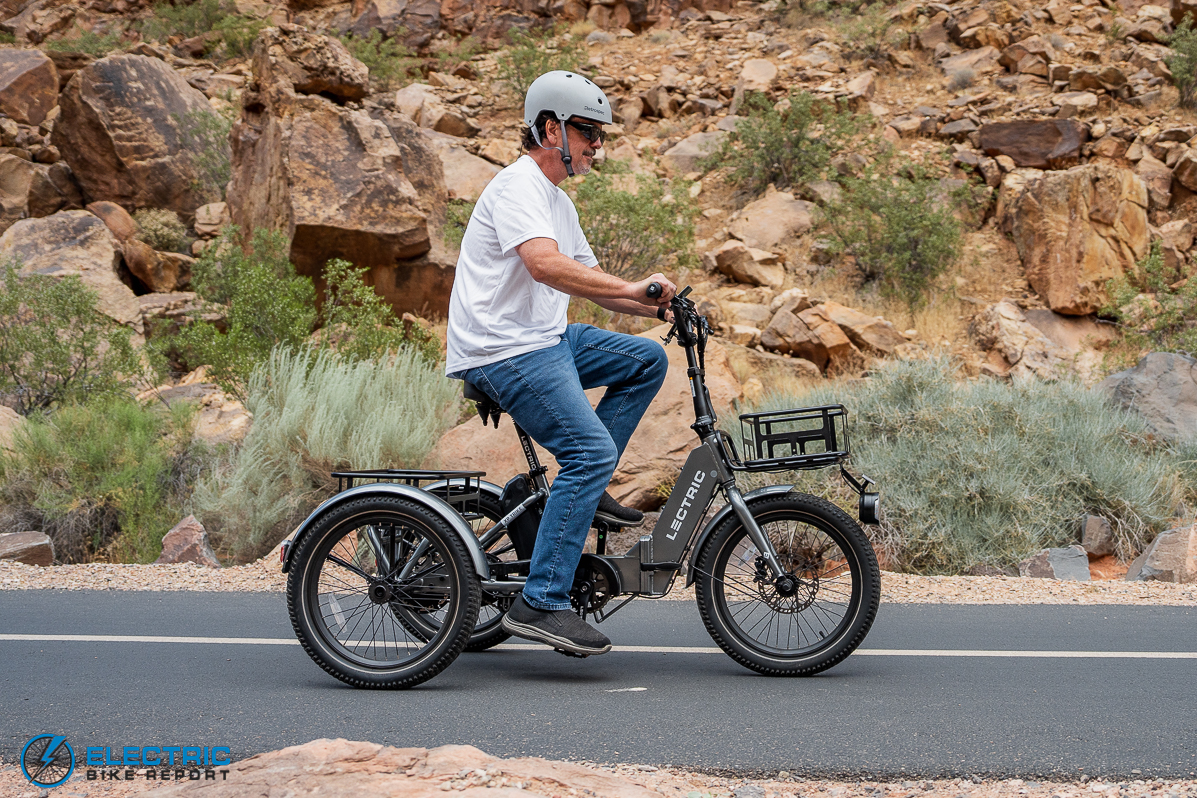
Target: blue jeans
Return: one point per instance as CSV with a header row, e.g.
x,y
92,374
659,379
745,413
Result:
x,y
542,391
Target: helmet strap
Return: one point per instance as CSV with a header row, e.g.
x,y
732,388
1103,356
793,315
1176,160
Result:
x,y
566,158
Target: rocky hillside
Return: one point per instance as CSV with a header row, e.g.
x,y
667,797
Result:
x,y
1066,115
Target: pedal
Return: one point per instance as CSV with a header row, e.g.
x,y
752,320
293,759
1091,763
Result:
x,y
571,653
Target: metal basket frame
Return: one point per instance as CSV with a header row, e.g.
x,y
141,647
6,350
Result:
x,y
796,431
461,489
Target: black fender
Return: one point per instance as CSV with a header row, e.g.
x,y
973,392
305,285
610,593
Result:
x,y
718,518
417,495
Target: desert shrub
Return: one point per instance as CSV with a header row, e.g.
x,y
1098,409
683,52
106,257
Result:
x,y
784,147
869,31
98,478
315,413
961,79
205,134
86,41
457,217
238,34
184,19
987,473
634,224
452,53
1156,310
161,229
7,38
361,325
265,303
389,60
531,53
1183,61
900,231
56,347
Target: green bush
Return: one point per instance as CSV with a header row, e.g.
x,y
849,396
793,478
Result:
x,y
7,38
868,33
86,41
390,61
189,19
361,325
784,147
633,224
315,413
205,135
899,230
457,217
100,479
987,473
265,303
1156,310
529,54
56,347
161,229
1183,62
455,52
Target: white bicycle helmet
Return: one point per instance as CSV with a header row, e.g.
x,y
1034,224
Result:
x,y
565,94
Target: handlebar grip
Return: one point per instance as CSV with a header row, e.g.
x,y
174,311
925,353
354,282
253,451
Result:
x,y
653,291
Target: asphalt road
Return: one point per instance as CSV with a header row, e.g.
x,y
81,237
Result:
x,y
951,708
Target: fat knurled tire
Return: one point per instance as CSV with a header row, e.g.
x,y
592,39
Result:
x,y
826,524
461,605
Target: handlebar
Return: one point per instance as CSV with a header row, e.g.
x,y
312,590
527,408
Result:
x,y
653,291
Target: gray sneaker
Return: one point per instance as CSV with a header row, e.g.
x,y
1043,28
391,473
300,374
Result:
x,y
561,629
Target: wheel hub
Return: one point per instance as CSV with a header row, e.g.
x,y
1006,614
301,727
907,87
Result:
x,y
379,592
786,585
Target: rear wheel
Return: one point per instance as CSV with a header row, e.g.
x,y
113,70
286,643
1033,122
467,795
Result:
x,y
812,617
382,593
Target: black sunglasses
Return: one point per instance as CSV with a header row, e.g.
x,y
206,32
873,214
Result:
x,y
593,133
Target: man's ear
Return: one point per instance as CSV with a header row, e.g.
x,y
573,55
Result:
x,y
552,131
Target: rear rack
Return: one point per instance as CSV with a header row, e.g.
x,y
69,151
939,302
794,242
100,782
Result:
x,y
461,489
801,439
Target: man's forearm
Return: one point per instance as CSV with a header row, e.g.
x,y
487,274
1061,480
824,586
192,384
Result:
x,y
626,306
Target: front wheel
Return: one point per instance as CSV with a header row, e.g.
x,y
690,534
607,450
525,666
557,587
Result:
x,y
382,593
811,618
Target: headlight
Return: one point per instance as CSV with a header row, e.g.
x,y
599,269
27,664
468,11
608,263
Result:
x,y
870,508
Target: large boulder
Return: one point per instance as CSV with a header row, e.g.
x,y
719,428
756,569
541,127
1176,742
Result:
x,y
685,156
871,334
465,173
1037,144
75,243
28,85
32,190
749,265
655,454
414,22
1171,557
774,218
1027,351
121,129
335,179
1070,563
187,541
1077,229
1162,387
30,548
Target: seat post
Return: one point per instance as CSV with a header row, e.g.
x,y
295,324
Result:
x,y
535,470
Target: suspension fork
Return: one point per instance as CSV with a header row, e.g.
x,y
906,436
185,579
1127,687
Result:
x,y
727,481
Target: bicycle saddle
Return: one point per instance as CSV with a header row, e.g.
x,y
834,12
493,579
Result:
x,y
487,407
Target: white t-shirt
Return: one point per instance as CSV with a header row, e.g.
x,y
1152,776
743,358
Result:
x,y
497,310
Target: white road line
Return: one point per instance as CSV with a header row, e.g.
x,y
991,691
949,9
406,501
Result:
x,y
864,652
